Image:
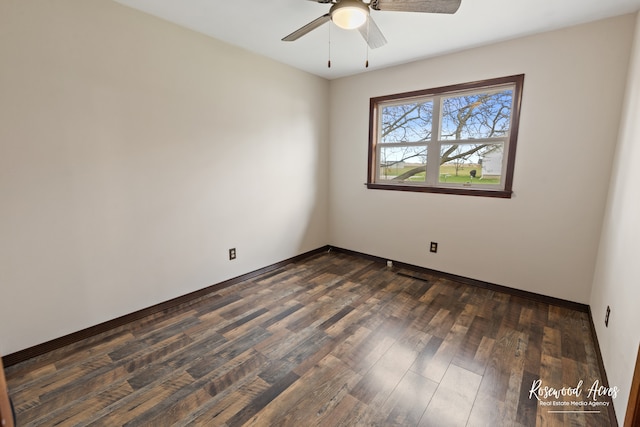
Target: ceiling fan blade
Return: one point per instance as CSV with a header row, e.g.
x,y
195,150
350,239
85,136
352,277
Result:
x,y
372,34
425,6
307,28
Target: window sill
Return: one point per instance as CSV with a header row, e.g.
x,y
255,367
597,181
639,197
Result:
x,y
442,190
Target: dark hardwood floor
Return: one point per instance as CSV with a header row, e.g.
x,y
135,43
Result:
x,y
332,340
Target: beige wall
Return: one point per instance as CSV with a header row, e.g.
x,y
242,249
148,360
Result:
x,y
545,238
134,154
615,282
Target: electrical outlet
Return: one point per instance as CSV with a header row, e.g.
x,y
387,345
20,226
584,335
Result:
x,y
606,317
434,247
232,253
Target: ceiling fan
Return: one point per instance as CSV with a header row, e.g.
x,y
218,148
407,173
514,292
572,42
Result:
x,y
352,14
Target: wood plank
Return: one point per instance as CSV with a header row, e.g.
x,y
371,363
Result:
x,y
527,411
385,375
453,400
256,405
435,368
408,401
550,375
218,412
79,413
311,399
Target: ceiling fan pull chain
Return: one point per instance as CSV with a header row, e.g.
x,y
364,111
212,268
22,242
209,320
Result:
x,y
366,64
329,61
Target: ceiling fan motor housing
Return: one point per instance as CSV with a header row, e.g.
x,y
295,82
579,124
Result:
x,y
349,14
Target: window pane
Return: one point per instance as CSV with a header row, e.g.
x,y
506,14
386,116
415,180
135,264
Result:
x,y
478,115
403,163
471,163
406,122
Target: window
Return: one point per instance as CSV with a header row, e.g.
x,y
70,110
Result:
x,y
457,139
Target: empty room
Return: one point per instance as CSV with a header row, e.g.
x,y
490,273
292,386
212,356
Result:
x,y
319,213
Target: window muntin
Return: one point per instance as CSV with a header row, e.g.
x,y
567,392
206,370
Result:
x,y
458,139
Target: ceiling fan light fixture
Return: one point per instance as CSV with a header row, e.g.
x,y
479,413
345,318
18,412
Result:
x,y
349,14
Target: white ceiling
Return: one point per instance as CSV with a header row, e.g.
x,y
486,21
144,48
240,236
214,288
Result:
x,y
259,26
